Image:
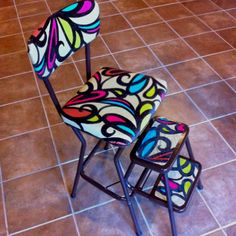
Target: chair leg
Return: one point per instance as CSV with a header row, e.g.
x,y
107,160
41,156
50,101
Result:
x,y
170,207
125,189
80,163
190,152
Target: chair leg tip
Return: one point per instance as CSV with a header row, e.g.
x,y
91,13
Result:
x,y
73,195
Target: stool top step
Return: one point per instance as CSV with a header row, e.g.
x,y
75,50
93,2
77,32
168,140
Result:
x,y
160,143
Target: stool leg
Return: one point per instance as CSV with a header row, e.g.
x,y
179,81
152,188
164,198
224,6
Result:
x,y
190,152
170,207
125,189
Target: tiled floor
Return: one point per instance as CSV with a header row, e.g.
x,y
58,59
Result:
x,y
190,44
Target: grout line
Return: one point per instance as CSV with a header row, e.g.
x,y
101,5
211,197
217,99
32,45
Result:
x,y
218,165
3,202
11,53
19,101
212,231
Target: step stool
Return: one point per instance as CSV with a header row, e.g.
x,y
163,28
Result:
x,y
157,149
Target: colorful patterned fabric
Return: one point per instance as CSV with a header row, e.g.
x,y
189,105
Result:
x,y
115,105
181,178
160,141
63,33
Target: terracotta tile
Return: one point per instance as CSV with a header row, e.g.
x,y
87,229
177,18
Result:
x,y
11,44
232,82
215,99
56,5
9,27
60,228
225,3
197,215
162,74
7,13
18,2
6,3
21,117
188,26
65,77
226,126
123,40
35,199
31,23
179,107
208,147
107,9
224,63
69,148
136,60
142,17
173,11
218,20
14,63
34,152
98,48
96,64
207,43
113,23
102,169
124,5
2,220
156,33
232,12
229,35
32,8
201,6
218,192
231,230
173,51
160,2
17,87
193,73
51,111
110,219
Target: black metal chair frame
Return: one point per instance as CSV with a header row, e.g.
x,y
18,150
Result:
x,y
83,163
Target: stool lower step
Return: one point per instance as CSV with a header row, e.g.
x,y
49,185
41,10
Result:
x,y
182,177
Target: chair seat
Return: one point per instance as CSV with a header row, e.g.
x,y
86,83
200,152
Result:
x,y
157,145
115,105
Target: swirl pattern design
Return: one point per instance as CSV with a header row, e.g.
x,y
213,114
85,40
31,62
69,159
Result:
x,y
181,178
115,105
62,34
160,141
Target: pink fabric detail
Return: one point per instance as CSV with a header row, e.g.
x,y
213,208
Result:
x,y
173,185
87,6
93,30
112,118
53,37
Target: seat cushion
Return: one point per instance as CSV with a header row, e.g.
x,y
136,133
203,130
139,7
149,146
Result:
x,y
115,105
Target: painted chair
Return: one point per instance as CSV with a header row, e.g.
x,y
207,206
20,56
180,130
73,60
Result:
x,y
157,149
113,105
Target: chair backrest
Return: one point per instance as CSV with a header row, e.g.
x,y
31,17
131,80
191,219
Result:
x,y
62,34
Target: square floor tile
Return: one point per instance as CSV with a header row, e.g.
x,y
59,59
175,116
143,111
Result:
x,y
156,33
21,117
193,73
14,63
188,26
226,127
179,107
106,9
218,20
232,82
124,5
6,3
173,51
35,199
229,35
223,63
32,8
215,99
207,43
201,6
197,215
162,74
136,60
217,233
2,219
225,3
60,228
231,230
108,220
172,11
113,23
208,147
17,87
219,185
142,17
160,2
56,5
34,152
232,12
9,27
119,41
7,13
